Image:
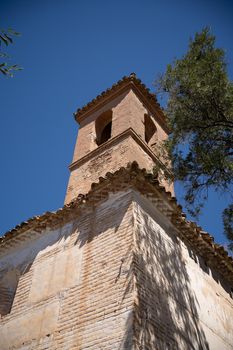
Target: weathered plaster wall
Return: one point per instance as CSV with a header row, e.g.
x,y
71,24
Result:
x,y
180,306
75,285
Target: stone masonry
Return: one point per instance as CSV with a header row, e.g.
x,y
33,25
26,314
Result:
x,y
119,266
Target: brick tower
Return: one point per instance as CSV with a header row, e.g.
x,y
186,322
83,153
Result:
x,y
123,124
119,267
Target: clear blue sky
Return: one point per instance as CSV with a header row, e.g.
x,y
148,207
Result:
x,y
71,51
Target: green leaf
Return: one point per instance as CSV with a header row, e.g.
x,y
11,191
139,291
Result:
x,y
8,38
3,39
13,32
200,115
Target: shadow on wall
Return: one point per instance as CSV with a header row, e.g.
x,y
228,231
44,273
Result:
x,y
106,278
19,267
108,215
166,316
48,255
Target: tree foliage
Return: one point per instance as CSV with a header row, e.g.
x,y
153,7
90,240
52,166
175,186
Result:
x,y
6,38
200,114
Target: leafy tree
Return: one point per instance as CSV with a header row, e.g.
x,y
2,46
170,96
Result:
x,y
6,38
199,108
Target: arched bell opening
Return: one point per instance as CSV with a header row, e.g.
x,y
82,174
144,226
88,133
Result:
x,y
103,127
151,137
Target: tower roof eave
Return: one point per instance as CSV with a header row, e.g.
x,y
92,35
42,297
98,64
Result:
x,y
123,84
132,177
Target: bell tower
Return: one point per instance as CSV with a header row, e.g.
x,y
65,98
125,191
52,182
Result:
x,y
119,268
123,124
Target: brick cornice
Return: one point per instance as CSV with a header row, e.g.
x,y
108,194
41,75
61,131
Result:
x,y
113,141
130,82
148,185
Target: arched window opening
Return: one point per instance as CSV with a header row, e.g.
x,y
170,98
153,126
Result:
x,y
103,126
106,133
150,130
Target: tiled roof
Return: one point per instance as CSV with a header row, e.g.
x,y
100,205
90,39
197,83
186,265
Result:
x,y
126,81
148,185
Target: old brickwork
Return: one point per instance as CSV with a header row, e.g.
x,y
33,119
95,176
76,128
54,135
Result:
x,y
127,142
75,290
119,266
181,302
107,159
116,277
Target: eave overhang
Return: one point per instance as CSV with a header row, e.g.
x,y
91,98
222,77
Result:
x,y
131,177
127,83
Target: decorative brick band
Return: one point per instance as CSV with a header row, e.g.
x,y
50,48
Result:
x,y
111,142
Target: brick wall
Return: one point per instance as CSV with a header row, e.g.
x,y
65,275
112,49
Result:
x,y
109,159
76,291
116,276
127,112
180,306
